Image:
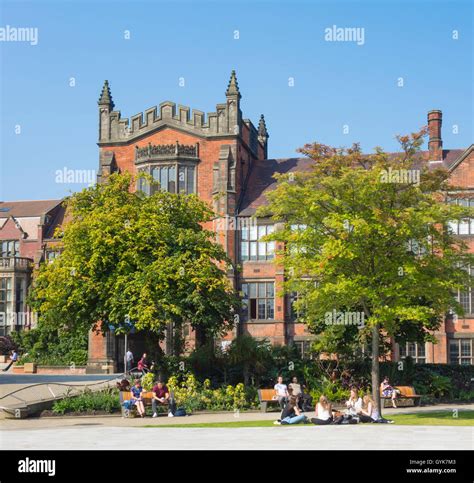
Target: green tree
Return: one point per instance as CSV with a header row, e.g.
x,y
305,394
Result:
x,y
54,346
251,355
143,258
362,244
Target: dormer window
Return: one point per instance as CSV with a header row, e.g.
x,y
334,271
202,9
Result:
x,y
10,248
173,167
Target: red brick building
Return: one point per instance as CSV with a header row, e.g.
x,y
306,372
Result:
x,y
225,154
26,239
223,158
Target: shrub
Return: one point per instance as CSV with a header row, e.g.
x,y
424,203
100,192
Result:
x,y
147,381
7,344
107,400
194,396
53,347
334,391
435,382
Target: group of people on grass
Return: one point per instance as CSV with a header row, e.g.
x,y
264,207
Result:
x,y
358,409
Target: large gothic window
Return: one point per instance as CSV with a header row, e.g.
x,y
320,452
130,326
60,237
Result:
x,y
172,167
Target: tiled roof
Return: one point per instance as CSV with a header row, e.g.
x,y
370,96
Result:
x,y
451,155
261,180
20,209
61,217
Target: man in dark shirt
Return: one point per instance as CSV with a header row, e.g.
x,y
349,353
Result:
x,y
161,395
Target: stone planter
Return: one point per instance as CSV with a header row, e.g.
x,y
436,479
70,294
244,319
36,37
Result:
x,y
29,367
3,359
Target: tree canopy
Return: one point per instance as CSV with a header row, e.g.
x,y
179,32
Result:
x,y
367,245
131,257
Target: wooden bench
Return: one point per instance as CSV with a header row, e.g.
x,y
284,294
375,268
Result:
x,y
147,397
407,397
266,396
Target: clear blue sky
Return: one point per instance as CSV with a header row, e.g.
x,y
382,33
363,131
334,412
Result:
x,y
336,83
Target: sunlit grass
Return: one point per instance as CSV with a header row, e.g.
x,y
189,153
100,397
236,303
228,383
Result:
x,y
428,418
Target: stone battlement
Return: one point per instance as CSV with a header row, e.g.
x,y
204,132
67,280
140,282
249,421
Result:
x,y
168,113
226,121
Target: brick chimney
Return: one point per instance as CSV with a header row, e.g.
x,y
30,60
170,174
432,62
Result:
x,y
435,144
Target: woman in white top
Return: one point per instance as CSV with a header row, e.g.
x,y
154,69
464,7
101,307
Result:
x,y
369,413
323,412
354,404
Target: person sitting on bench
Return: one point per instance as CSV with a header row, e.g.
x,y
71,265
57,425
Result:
x,y
323,412
161,395
137,399
386,390
281,392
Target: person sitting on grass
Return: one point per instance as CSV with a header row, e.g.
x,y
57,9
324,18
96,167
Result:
x,y
306,399
323,412
281,392
137,399
369,414
354,403
161,395
386,390
291,414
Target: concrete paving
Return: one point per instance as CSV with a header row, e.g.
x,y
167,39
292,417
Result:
x,y
110,432
356,437
115,420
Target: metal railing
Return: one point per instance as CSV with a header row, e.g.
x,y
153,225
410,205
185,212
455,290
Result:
x,y
73,389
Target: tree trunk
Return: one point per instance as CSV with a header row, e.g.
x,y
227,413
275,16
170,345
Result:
x,y
376,369
246,375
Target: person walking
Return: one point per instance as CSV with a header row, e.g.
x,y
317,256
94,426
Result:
x,y
129,359
13,359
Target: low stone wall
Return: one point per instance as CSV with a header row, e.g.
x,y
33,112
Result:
x,y
60,370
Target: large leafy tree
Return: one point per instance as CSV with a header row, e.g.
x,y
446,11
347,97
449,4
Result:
x,y
360,242
137,258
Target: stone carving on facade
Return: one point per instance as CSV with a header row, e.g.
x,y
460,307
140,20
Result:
x,y
152,151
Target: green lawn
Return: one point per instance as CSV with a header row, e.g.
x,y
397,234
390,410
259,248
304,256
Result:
x,y
431,418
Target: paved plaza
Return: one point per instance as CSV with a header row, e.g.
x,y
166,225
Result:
x,y
87,436
111,432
